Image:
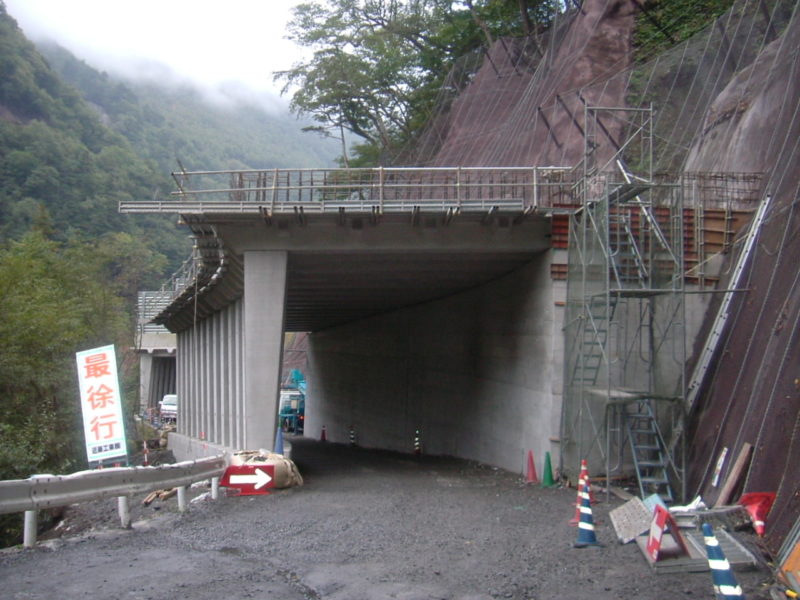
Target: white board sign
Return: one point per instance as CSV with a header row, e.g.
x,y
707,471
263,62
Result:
x,y
101,404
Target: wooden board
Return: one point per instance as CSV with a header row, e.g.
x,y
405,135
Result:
x,y
733,477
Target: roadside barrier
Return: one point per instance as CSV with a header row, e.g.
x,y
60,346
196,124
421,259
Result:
x,y
51,491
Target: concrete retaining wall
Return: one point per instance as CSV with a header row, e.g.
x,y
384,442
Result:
x,y
477,373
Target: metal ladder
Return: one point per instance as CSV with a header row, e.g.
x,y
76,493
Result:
x,y
598,317
650,457
627,264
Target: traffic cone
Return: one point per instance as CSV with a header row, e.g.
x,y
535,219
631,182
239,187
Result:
x,y
725,585
582,483
323,437
547,478
145,460
279,441
758,505
586,479
586,536
531,477
583,480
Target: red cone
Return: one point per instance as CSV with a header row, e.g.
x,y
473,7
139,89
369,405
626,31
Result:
x,y
758,505
531,476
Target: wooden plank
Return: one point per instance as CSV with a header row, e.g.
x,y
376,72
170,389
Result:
x,y
732,479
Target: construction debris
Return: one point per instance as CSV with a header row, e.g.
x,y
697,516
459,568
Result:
x,y
159,495
286,472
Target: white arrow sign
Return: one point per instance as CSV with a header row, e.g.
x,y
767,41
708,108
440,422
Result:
x,y
259,478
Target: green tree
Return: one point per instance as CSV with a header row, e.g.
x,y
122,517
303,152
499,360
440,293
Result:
x,y
378,64
57,299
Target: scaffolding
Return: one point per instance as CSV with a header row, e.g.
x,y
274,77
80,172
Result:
x,y
624,324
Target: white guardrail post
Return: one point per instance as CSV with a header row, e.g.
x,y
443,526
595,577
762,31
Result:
x,y
50,491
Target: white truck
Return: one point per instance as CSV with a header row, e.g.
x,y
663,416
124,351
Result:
x,y
168,408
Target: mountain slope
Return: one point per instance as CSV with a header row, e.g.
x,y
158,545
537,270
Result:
x,y
167,122
61,168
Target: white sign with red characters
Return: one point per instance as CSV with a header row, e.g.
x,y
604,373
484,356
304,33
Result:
x,y
101,404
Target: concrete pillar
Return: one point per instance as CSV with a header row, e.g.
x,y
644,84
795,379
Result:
x,y
181,384
145,373
29,528
264,305
123,507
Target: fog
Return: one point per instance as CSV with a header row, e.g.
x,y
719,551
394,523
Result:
x,y
228,49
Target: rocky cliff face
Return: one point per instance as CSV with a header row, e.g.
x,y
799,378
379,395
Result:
x,y
526,108
749,124
725,100
753,394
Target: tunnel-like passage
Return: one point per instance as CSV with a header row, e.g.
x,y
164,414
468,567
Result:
x,y
438,315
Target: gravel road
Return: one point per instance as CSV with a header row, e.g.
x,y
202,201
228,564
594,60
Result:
x,y
366,525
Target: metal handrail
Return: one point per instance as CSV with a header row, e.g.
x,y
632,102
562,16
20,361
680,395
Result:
x,y
389,188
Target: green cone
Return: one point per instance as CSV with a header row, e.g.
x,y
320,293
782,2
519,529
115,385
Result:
x,y
547,478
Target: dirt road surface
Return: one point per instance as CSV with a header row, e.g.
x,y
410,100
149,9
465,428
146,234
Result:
x,y
365,526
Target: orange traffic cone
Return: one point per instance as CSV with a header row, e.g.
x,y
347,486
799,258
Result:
x,y
531,477
583,481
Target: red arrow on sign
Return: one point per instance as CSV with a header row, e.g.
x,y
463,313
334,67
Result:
x,y
249,479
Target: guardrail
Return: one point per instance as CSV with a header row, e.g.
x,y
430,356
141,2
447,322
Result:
x,y
50,491
385,189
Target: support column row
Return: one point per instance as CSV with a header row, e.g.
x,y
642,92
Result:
x,y
229,364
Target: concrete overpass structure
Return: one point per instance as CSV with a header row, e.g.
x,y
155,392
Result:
x,y
435,301
427,292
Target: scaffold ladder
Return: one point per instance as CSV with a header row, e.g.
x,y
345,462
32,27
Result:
x,y
651,458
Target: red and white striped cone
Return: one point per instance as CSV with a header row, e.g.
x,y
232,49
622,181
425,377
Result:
x,y
725,585
145,452
586,536
586,480
583,481
581,484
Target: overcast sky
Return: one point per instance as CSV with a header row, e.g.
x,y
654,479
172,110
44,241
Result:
x,y
210,42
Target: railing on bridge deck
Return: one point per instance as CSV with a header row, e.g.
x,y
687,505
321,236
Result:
x,y
385,189
402,189
476,189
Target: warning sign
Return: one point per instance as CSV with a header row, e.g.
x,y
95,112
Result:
x,y
101,405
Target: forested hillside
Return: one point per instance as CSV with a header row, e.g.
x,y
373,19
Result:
x,y
173,122
60,165
73,143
